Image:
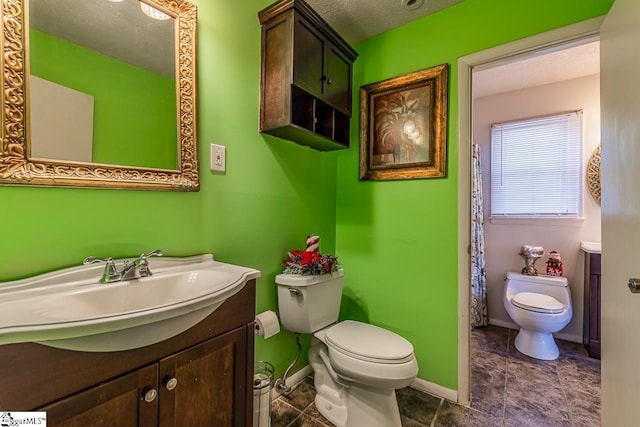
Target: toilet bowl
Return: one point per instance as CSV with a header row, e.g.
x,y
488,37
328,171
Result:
x,y
356,366
540,305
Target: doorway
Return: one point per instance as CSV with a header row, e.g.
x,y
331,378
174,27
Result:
x,y
554,41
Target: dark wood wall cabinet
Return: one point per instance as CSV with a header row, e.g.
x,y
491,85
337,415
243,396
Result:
x,y
306,77
201,377
592,288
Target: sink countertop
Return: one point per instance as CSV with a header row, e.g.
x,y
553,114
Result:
x,y
70,309
591,247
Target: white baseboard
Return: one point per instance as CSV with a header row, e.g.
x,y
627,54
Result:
x,y
503,324
293,380
560,335
434,389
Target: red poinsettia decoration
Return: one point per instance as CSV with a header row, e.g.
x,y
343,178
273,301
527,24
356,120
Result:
x,y
307,263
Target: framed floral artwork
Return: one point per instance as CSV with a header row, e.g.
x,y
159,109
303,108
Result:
x,y
403,126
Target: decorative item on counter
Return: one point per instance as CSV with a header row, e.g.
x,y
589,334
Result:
x,y
310,261
313,243
530,254
554,264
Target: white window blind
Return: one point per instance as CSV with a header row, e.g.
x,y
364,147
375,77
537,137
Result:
x,y
536,166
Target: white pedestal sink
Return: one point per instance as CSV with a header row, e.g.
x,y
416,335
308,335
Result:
x,y
69,309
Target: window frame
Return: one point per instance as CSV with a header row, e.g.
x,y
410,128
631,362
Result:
x,y
578,148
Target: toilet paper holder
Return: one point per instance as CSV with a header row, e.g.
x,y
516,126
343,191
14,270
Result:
x,y
267,324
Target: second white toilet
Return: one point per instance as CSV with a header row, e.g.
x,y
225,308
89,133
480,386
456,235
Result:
x,y
540,305
356,366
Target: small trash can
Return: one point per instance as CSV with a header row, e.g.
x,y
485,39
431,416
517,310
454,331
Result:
x,y
262,382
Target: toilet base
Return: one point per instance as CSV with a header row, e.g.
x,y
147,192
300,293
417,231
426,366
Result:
x,y
539,345
349,404
364,407
337,414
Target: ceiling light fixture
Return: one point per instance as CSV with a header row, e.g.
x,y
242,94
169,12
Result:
x,y
412,4
152,12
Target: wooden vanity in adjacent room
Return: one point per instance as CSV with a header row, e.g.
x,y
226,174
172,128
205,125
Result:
x,y
592,298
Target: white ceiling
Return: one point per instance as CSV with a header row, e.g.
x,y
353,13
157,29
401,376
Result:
x,y
566,64
117,29
356,20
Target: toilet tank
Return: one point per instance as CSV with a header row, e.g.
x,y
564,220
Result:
x,y
557,287
309,303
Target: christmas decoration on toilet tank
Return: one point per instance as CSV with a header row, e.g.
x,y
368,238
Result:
x,y
310,261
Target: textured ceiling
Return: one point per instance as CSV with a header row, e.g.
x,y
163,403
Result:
x,y
356,20
115,28
119,29
565,64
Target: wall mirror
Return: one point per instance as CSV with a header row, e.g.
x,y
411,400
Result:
x,y
99,93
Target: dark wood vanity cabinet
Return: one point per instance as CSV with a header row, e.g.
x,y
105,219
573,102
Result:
x,y
119,402
306,77
201,377
592,293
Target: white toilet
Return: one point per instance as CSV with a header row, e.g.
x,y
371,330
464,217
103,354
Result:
x,y
356,366
540,305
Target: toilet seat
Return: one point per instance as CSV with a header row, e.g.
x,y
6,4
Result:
x,y
369,355
369,343
538,303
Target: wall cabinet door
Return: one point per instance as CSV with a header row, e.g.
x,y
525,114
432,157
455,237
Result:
x,y
320,68
205,385
338,80
130,400
308,58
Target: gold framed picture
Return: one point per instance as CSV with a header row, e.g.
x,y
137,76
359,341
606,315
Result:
x,y
403,126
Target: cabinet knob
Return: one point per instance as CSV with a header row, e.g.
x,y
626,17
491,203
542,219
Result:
x,y
171,383
634,285
150,395
329,81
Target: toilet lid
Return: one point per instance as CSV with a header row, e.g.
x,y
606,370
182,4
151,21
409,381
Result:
x,y
368,342
539,303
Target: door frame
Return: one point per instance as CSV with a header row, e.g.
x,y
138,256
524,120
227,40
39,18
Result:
x,y
540,43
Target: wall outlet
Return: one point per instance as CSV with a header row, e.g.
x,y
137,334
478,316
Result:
x,y
218,158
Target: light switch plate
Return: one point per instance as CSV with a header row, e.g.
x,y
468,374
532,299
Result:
x,y
218,158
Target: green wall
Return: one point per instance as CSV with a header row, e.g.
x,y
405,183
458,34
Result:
x,y
398,240
273,194
134,109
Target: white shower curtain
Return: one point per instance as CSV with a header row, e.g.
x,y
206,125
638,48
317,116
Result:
x,y
478,273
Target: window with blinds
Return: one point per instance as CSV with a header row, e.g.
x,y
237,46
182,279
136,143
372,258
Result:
x,y
536,166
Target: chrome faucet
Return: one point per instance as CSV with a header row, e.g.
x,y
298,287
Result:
x,y
135,269
110,271
138,267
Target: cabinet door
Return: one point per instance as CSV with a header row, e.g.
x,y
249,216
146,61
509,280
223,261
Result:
x,y
308,57
338,80
120,402
206,384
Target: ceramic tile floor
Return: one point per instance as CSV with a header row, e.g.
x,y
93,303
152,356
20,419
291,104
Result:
x,y
508,389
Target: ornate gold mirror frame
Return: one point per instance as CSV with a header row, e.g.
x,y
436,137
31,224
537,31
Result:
x,y
15,166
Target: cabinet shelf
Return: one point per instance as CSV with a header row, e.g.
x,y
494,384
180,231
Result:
x,y
306,77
